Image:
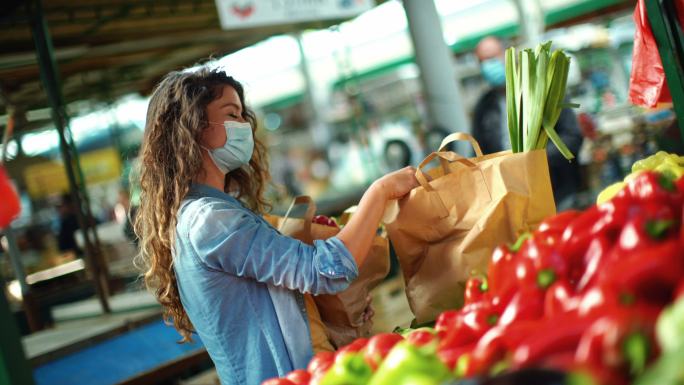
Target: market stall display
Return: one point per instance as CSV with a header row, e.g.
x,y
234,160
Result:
x,y
583,293
579,297
668,164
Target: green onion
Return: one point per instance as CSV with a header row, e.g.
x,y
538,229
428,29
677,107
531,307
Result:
x,y
535,89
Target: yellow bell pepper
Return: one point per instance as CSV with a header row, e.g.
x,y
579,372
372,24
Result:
x,y
671,165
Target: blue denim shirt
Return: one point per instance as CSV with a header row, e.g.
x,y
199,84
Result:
x,y
240,282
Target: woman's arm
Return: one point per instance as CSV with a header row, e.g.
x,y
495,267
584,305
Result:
x,y
223,238
358,234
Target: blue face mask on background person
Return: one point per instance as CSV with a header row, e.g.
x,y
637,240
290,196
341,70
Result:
x,y
238,148
494,71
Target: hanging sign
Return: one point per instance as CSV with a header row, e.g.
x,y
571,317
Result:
x,y
236,14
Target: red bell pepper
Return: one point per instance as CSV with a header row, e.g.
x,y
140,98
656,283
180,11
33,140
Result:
x,y
450,356
603,296
488,350
559,334
651,186
652,274
620,337
475,289
512,272
559,299
583,373
679,184
501,272
681,226
480,317
614,214
578,235
473,321
642,234
547,261
679,291
526,304
494,345
447,320
595,260
555,225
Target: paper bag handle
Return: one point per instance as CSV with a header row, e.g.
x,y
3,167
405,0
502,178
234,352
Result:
x,y
444,156
456,136
308,215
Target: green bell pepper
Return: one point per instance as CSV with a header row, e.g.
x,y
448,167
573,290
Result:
x,y
670,327
349,369
407,361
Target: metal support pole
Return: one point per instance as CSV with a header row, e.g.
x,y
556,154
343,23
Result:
x,y
33,317
320,132
50,79
14,369
662,15
531,21
433,56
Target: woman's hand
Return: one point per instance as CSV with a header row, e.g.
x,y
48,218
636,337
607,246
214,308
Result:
x,y
358,234
397,184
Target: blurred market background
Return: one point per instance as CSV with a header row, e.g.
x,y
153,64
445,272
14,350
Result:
x,y
340,101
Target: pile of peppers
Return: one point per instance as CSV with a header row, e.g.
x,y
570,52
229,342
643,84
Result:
x,y
670,165
581,294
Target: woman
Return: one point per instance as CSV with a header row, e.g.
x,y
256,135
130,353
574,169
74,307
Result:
x,y
217,267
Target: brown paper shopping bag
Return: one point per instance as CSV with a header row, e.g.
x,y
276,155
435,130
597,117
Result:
x,y
342,313
447,228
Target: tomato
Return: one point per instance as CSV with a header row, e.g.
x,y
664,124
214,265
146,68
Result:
x,y
379,346
420,337
353,347
299,377
320,362
278,381
323,220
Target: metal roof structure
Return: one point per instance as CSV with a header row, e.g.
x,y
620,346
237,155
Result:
x,y
108,48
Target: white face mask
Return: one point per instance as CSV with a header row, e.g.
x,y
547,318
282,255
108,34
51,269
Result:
x,y
237,151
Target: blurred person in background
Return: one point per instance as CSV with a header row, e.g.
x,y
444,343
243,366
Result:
x,y
217,267
68,225
490,126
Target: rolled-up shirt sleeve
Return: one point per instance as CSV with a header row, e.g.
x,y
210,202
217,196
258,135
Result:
x,y
231,240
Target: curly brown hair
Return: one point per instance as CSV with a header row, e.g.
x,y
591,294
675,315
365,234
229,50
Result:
x,y
170,159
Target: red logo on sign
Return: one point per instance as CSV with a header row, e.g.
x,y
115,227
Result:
x,y
243,11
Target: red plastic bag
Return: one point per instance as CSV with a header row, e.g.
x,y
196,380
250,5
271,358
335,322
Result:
x,y
647,84
9,200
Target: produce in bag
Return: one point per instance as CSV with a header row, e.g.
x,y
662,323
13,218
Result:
x,y
341,313
535,89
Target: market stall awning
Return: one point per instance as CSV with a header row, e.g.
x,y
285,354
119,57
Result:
x,y
105,49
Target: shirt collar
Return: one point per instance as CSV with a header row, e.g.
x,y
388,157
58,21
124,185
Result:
x,y
199,190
